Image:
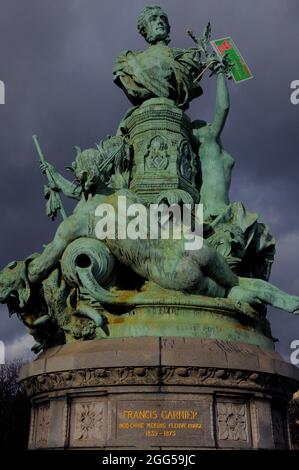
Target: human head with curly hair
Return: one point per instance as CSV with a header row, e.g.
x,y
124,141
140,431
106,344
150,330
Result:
x,y
153,25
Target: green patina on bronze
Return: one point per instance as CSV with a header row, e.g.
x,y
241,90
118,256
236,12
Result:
x,y
80,287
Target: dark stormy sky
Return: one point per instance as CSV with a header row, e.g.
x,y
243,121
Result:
x,y
56,60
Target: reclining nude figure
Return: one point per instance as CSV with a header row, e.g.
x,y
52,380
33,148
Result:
x,y
165,262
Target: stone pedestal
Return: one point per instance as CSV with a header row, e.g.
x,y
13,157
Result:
x,y
161,135
159,393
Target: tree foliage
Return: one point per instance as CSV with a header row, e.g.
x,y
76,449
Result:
x,y
294,421
14,408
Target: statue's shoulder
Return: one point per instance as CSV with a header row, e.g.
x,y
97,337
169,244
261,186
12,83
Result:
x,y
128,52
123,59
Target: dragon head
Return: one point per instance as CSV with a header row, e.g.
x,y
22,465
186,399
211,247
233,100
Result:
x,y
14,285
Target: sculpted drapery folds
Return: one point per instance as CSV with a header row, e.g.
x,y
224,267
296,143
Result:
x,y
159,72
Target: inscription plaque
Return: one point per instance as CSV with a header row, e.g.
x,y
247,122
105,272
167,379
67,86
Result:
x,y
167,423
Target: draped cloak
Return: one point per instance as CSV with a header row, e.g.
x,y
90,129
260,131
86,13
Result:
x,y
159,72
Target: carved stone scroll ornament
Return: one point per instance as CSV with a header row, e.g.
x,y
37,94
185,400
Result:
x,y
192,376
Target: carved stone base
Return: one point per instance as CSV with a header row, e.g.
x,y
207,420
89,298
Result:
x,y
159,393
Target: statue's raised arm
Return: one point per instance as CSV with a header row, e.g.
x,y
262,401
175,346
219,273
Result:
x,y
216,164
222,104
67,187
56,183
